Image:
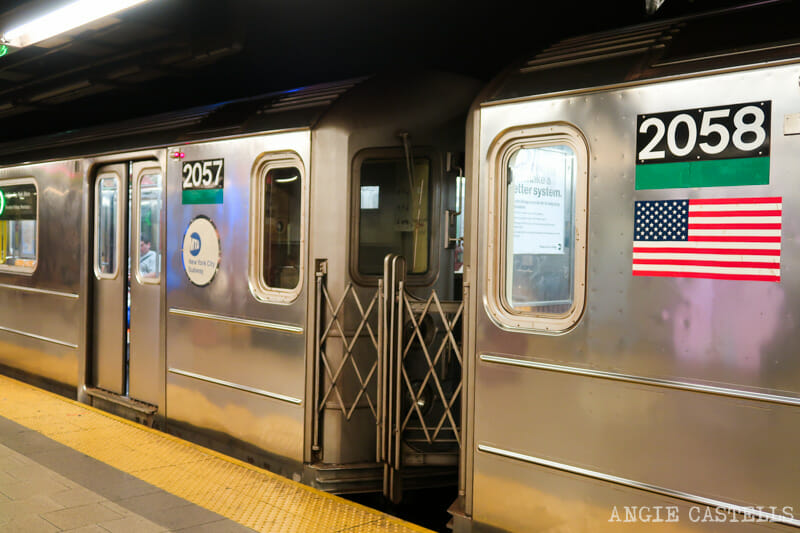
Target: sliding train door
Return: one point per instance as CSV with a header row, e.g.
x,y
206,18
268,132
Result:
x,y
126,264
109,282
144,381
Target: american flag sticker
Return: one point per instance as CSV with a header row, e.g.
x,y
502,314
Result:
x,y
715,238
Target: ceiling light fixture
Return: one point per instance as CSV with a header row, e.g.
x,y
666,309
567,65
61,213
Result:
x,y
63,19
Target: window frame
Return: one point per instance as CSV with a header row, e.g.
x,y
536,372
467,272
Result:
x,y
434,197
118,237
500,152
24,270
258,286
138,222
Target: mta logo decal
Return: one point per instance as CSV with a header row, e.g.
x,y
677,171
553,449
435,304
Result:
x,y
194,247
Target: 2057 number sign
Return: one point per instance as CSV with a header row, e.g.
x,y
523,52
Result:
x,y
203,181
206,174
722,132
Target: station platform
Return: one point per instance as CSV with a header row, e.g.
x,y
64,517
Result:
x,y
65,466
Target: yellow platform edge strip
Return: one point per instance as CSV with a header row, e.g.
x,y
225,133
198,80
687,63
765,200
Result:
x,y
228,459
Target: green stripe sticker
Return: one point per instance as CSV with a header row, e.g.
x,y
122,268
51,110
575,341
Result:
x,y
714,173
202,196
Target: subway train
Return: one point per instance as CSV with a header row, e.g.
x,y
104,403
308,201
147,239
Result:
x,y
568,292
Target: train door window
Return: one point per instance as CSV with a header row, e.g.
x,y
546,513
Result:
x,y
393,206
277,222
538,279
107,236
458,251
149,250
18,225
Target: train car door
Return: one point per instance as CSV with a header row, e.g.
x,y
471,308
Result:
x,y
110,286
126,260
144,382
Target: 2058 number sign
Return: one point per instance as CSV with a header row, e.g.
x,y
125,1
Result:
x,y
689,148
203,181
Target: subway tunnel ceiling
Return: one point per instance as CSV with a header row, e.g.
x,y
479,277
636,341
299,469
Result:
x,y
172,54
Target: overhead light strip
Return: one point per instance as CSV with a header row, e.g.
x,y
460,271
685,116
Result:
x,y
64,19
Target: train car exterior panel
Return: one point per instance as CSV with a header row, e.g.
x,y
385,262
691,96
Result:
x,y
229,293
40,357
54,322
676,440
220,333
220,350
513,495
734,335
257,422
666,334
60,190
344,441
41,311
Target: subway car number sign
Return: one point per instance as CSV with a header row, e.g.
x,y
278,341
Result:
x,y
202,181
704,147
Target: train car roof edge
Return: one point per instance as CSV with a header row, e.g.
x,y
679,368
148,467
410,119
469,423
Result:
x,y
700,44
277,111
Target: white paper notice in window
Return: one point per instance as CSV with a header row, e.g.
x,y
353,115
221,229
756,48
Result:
x,y
537,196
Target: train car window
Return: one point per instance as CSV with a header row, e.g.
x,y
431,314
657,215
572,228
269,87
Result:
x,y
539,206
458,250
107,231
149,256
277,222
394,214
540,193
18,226
282,201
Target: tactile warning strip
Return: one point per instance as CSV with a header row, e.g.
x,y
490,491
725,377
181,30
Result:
x,y
236,490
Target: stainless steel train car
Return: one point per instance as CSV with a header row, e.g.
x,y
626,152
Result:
x,y
586,321
631,346
218,272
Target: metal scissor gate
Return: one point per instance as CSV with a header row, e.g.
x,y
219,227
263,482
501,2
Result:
x,y
397,360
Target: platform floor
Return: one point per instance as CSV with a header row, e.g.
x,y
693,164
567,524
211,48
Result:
x,y
65,466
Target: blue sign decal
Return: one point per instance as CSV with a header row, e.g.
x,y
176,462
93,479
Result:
x,y
196,243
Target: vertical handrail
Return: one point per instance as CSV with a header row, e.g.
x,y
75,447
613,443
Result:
x,y
398,372
320,279
385,396
396,360
387,320
379,437
466,375
393,273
